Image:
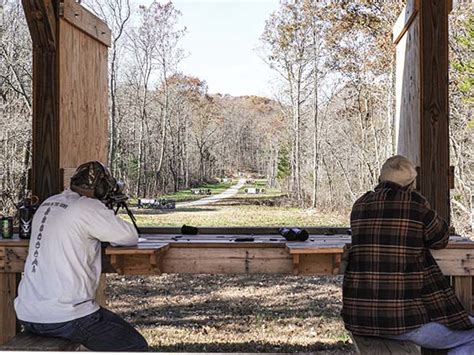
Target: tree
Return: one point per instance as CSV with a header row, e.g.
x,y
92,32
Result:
x,y
15,103
154,49
286,40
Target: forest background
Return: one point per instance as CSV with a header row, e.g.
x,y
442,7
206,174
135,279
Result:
x,y
320,139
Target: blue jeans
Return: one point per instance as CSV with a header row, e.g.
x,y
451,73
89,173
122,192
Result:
x,y
437,336
100,331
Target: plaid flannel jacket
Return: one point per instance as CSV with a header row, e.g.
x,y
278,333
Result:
x,y
392,283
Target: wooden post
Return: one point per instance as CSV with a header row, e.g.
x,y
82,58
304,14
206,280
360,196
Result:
x,y
434,45
463,290
422,115
100,295
9,325
41,16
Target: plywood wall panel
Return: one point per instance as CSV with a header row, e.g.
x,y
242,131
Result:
x,y
82,97
408,112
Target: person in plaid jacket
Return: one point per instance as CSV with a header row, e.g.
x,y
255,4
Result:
x,y
392,285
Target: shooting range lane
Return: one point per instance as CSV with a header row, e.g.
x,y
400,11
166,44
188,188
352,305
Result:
x,y
231,191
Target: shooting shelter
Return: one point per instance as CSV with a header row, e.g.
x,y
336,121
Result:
x,y
70,116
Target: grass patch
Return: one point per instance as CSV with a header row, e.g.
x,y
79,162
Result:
x,y
240,216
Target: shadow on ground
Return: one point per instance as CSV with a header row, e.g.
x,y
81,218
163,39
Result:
x,y
233,313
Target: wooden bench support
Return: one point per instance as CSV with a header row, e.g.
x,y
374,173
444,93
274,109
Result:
x,y
31,342
100,296
8,291
296,264
132,261
463,290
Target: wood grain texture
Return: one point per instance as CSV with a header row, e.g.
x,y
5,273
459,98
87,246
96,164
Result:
x,y
456,260
422,112
30,342
316,264
227,261
83,98
12,259
404,20
463,290
434,165
100,294
408,92
380,346
84,20
9,326
41,18
45,159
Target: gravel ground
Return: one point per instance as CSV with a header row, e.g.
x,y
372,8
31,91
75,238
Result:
x,y
233,313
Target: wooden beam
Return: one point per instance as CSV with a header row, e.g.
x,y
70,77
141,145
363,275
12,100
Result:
x,y
405,19
407,113
100,294
434,179
463,290
45,160
41,17
449,6
9,325
86,21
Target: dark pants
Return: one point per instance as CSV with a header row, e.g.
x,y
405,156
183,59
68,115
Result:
x,y
100,331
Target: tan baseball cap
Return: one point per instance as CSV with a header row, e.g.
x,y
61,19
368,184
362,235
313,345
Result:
x,y
398,169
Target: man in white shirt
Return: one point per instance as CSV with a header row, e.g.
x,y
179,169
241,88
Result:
x,y
56,296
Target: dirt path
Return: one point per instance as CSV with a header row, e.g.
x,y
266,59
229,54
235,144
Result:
x,y
231,191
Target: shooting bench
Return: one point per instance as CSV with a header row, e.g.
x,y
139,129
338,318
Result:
x,y
201,191
162,203
255,190
219,251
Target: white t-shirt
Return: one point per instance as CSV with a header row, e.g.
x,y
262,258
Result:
x,y
63,266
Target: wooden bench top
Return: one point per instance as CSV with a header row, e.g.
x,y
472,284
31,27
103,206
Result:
x,y
317,243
